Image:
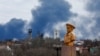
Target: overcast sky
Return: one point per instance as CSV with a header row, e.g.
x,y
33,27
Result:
x,y
20,9
84,14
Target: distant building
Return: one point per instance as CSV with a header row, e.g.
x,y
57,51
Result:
x,y
56,34
79,42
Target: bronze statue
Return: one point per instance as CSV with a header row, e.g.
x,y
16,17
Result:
x,y
68,49
69,37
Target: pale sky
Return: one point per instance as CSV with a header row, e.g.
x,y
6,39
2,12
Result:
x,y
16,9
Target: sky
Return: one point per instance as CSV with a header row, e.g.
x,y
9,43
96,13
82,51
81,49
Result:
x,y
44,16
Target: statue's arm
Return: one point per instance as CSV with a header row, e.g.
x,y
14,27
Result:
x,y
66,39
73,38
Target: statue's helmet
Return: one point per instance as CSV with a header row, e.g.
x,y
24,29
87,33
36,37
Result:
x,y
70,25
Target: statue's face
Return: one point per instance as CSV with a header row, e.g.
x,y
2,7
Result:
x,y
69,29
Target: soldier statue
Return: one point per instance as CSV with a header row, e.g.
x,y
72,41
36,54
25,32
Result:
x,y
69,37
68,48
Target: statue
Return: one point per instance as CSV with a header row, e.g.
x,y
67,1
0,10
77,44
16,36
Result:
x,y
69,37
68,48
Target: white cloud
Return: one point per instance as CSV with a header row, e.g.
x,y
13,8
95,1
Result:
x,y
47,35
17,9
60,26
78,6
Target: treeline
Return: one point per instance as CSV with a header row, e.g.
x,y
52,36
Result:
x,y
35,47
38,46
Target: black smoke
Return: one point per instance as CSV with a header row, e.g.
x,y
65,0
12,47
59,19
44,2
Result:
x,y
12,29
44,17
50,13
